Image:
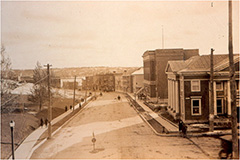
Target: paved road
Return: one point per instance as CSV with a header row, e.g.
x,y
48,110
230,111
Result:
x,y
119,133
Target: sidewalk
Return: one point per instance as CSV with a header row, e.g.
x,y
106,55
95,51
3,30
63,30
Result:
x,y
167,125
25,148
172,128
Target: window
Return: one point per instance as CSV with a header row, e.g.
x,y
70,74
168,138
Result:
x,y
237,85
195,85
219,106
196,106
219,86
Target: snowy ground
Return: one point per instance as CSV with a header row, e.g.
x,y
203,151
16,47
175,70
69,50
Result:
x,y
119,133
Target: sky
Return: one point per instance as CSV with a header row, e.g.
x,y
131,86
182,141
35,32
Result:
x,y
111,33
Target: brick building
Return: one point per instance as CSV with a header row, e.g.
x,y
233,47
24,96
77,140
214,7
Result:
x,y
188,88
100,82
127,81
155,61
118,81
106,82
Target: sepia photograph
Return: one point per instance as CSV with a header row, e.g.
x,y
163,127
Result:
x,y
120,79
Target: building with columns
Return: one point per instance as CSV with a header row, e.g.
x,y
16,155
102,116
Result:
x,y
188,88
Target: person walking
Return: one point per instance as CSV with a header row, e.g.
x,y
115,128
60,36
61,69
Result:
x,y
46,122
180,125
184,130
41,122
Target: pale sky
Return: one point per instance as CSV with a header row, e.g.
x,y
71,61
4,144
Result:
x,y
111,33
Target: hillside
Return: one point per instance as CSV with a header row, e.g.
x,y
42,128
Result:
x,y
81,71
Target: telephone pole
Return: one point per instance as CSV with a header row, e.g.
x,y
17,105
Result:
x,y
74,87
235,151
49,103
211,109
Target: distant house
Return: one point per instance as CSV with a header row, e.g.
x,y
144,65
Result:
x,y
24,91
106,82
127,81
100,82
188,88
67,82
118,81
137,80
155,61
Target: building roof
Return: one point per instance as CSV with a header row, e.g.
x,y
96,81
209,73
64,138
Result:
x,y
24,89
137,72
176,65
201,63
225,63
187,53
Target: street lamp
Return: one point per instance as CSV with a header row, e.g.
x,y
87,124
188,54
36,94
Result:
x,y
12,124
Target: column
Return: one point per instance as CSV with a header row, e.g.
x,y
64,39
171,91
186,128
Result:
x,y
174,98
172,94
170,82
169,97
229,98
177,97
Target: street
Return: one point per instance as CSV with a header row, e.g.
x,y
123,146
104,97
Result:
x,y
120,133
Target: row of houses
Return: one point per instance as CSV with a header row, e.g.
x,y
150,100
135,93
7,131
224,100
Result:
x,y
128,81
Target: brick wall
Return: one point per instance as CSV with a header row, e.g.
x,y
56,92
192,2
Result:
x,y
204,94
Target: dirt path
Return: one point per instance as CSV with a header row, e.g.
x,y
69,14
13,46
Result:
x,y
119,133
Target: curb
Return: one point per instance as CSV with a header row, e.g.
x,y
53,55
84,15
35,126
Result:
x,y
157,133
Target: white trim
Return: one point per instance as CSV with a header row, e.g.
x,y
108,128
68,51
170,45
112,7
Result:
x,y
200,107
221,84
201,79
196,97
199,84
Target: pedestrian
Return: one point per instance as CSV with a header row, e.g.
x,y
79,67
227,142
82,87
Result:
x,y
80,105
41,122
46,122
71,107
119,98
180,124
66,108
184,130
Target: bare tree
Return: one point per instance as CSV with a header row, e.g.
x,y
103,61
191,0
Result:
x,y
6,83
39,92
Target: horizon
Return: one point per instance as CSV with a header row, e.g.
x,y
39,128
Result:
x,y
111,33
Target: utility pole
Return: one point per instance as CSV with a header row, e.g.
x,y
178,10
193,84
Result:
x,y
235,151
49,103
211,106
74,87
